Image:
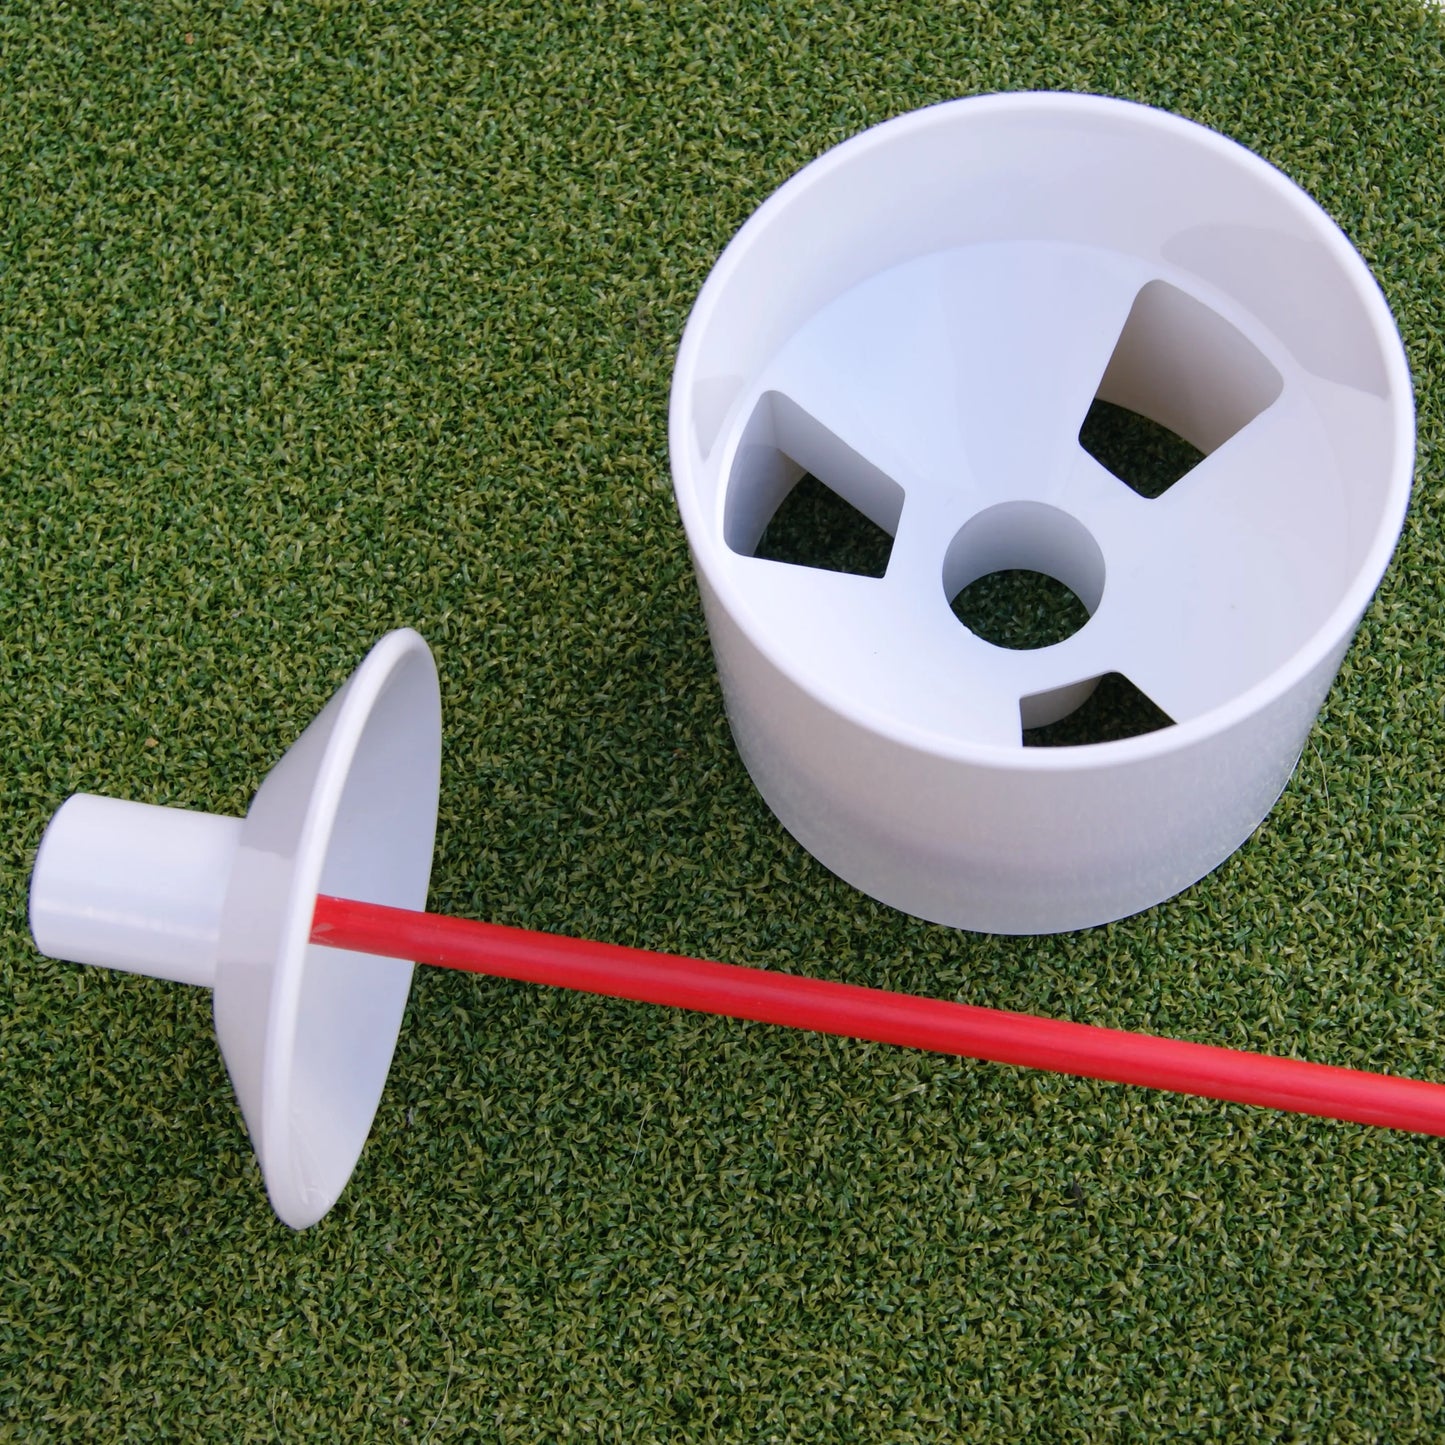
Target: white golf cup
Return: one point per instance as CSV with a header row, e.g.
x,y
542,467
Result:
x,y
922,320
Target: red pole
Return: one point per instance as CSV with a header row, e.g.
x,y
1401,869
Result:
x,y
891,1018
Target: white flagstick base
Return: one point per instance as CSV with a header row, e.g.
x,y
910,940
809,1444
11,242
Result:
x,y
307,1037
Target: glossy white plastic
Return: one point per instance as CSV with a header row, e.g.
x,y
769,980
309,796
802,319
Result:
x,y
922,319
307,1033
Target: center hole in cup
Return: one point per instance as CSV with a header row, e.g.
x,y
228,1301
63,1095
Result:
x,y
1023,575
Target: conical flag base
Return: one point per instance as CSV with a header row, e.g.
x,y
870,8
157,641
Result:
x,y
307,1032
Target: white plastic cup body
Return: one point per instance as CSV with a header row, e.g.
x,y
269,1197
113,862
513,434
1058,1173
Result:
x,y
922,318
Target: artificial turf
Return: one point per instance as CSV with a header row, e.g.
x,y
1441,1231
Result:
x,y
319,320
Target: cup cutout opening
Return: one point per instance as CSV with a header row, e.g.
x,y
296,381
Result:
x,y
1146,457
799,495
1112,709
1182,380
1023,575
1020,609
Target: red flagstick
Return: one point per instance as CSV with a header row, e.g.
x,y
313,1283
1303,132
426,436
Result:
x,y
891,1018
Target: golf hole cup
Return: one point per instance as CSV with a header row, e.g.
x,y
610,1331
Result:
x,y
922,321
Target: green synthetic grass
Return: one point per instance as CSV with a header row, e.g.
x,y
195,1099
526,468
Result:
x,y
316,321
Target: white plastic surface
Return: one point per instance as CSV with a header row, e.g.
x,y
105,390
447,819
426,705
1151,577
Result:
x,y
922,319
307,1033
134,887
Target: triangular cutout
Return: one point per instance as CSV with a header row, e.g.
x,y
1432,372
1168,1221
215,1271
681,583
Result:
x,y
815,527
1144,455
798,494
1114,710
1182,380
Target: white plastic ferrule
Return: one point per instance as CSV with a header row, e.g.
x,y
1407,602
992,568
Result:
x,y
133,886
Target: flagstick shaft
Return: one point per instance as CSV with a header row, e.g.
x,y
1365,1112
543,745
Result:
x,y
855,1012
